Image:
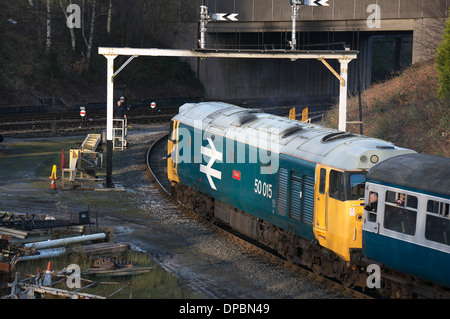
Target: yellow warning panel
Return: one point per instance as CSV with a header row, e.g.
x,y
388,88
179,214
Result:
x,y
292,114
305,115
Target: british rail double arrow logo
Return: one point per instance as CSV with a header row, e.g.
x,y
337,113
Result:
x,y
214,156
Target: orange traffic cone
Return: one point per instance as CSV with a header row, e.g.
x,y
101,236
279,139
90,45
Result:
x,y
48,276
53,183
63,160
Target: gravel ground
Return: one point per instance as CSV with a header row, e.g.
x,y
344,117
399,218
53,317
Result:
x,y
207,262
203,259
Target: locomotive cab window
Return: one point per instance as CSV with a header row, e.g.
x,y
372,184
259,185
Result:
x,y
437,226
323,178
344,186
400,212
357,185
337,185
172,132
172,124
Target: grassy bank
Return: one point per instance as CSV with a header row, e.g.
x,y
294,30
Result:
x,y
404,110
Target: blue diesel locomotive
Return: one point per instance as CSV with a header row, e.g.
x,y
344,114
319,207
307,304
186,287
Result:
x,y
296,187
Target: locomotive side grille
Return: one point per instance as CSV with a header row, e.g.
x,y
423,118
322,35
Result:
x,y
308,200
295,204
282,191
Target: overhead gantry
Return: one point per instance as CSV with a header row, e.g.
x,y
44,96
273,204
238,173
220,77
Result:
x,y
344,57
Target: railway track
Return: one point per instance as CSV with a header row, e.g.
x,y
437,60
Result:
x,y
67,122
157,169
71,121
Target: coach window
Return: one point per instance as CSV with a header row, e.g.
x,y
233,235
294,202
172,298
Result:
x,y
400,212
372,206
337,185
437,226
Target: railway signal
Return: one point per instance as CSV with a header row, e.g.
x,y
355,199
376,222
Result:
x,y
82,111
312,3
295,5
224,17
205,18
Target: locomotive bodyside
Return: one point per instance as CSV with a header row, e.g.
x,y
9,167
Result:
x,y
301,178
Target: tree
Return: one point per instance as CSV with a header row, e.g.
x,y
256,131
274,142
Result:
x,y
71,30
428,33
443,64
49,26
91,32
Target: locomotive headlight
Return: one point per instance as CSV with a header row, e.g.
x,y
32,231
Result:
x,y
374,159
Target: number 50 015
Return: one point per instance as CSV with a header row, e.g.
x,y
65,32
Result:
x,y
263,188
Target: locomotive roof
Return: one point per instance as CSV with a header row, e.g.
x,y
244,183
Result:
x,y
311,142
415,171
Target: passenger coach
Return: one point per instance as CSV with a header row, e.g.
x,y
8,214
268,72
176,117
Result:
x,y
410,231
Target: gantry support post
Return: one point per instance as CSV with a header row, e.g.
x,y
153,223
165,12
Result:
x,y
343,95
109,118
343,87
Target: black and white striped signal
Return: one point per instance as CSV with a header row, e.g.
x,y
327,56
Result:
x,y
224,17
312,3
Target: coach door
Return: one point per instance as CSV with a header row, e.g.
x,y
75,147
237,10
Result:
x,y
373,217
321,197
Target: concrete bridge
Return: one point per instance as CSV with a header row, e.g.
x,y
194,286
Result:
x,y
390,34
